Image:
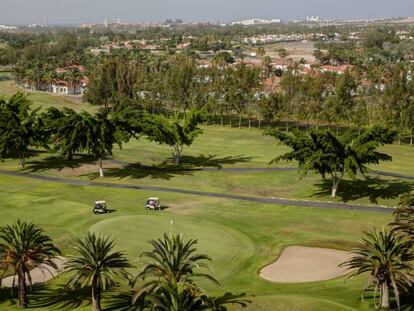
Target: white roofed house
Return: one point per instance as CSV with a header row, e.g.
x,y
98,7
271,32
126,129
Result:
x,y
72,82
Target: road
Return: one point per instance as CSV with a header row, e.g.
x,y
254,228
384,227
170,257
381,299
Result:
x,y
278,201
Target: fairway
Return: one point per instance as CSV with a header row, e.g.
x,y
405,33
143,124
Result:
x,y
241,236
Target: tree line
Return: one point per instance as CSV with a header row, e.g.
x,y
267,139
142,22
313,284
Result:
x,y
358,99
67,132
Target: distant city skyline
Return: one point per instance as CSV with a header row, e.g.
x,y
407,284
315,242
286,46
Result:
x,y
95,11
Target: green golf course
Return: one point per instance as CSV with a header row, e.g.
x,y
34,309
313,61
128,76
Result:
x,y
240,236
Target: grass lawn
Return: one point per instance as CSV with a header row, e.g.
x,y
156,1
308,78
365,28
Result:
x,y
241,237
229,148
44,100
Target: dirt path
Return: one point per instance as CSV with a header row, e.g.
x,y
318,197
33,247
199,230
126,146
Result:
x,y
38,275
299,264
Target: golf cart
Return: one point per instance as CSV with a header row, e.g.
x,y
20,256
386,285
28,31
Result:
x,y
100,207
153,204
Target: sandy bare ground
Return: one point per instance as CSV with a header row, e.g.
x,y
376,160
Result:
x,y
38,275
299,264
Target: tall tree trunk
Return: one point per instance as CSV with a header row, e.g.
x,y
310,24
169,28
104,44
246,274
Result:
x,y
185,116
22,289
101,173
411,138
231,121
221,120
240,119
287,126
177,157
335,184
250,121
385,297
22,159
96,296
260,123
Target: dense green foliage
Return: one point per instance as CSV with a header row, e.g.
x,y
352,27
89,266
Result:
x,y
327,154
175,133
19,127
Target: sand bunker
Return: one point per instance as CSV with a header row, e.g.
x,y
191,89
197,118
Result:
x,y
299,264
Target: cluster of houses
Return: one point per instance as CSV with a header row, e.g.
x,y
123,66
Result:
x,y
294,37
61,86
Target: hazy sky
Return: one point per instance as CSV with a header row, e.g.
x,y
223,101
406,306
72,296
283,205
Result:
x,y
79,11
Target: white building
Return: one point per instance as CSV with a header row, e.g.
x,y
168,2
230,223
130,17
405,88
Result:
x,y
5,27
312,19
257,21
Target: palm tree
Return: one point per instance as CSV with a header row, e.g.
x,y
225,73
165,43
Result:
x,y
96,265
50,77
404,215
173,259
23,246
387,256
169,278
74,77
20,71
174,263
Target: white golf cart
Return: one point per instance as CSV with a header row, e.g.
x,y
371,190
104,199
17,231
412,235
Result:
x,y
100,207
153,204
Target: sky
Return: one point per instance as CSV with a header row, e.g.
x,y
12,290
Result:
x,y
92,11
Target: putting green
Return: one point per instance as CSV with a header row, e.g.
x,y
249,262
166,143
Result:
x,y
228,248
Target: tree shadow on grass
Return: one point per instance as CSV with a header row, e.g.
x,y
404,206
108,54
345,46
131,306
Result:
x,y
7,296
167,170
407,300
137,171
373,188
211,160
60,297
121,301
58,163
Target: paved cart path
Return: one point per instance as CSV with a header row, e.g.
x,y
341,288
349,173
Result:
x,y
272,200
38,275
